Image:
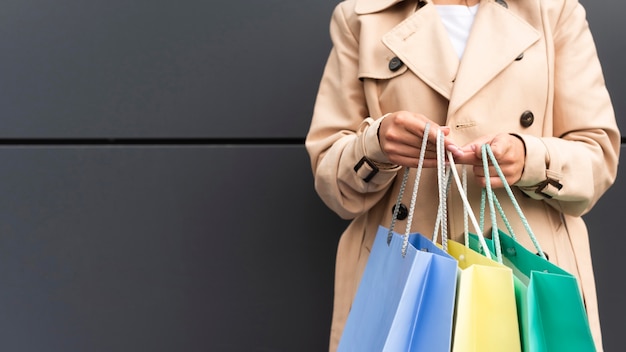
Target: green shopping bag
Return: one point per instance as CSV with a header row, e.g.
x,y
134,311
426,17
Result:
x,y
550,306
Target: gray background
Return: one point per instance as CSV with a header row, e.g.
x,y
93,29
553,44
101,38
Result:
x,y
156,194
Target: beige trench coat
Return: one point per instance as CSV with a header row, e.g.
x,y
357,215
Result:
x,y
530,68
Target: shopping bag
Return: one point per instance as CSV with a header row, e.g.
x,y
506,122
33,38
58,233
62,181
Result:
x,y
486,313
405,299
520,288
551,309
402,303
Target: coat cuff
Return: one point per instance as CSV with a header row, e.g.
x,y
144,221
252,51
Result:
x,y
535,161
539,180
371,145
374,164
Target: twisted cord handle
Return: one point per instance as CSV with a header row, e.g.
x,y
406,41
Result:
x,y
418,174
465,210
467,206
492,213
396,209
443,183
486,150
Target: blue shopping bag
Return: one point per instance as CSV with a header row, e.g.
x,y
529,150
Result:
x,y
405,300
403,303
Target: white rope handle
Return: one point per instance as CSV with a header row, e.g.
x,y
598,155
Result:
x,y
418,174
443,183
396,208
466,204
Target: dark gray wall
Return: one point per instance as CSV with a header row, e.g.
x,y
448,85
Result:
x,y
603,221
163,249
608,29
156,68
155,193
607,240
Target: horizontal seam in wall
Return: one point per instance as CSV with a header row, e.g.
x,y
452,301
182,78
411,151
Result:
x,y
156,141
147,141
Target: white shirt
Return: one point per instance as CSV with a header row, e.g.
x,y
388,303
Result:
x,y
458,20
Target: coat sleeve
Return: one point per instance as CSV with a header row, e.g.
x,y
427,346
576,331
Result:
x,y
572,169
351,172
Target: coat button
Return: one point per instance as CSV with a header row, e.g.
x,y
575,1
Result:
x,y
527,118
395,64
503,3
403,212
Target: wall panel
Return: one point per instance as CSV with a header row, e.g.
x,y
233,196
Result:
x,y
175,241
163,249
607,244
608,27
157,68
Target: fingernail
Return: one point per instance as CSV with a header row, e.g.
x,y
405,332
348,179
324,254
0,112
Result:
x,y
456,151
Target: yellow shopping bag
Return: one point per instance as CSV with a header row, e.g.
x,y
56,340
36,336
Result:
x,y
486,312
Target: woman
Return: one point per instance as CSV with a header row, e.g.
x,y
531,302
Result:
x,y
521,75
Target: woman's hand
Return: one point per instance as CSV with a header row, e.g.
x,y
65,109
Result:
x,y
401,134
509,151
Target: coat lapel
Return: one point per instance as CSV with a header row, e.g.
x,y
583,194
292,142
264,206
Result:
x,y
371,6
497,38
422,43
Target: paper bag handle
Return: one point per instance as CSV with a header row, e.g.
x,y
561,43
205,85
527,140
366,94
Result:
x,y
487,152
405,177
467,205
